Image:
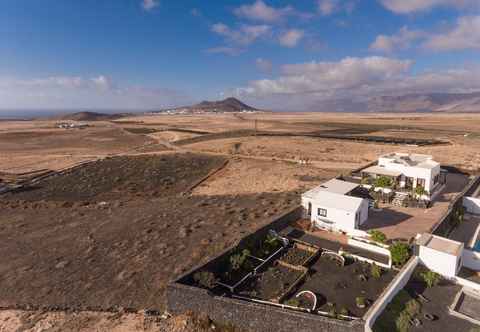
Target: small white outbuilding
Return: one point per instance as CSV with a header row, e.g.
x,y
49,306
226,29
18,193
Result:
x,y
330,206
439,254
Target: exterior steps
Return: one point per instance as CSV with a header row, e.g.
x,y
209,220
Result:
x,y
399,199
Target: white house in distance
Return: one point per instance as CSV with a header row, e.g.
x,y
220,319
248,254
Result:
x,y
408,171
331,206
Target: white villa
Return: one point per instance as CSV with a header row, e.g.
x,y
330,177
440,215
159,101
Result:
x,y
331,206
407,171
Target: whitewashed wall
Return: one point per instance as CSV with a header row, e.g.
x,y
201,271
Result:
x,y
388,294
471,259
438,261
472,204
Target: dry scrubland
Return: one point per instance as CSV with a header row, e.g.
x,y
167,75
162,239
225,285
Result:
x,y
111,234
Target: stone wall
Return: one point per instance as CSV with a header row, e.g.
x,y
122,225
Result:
x,y
251,316
183,297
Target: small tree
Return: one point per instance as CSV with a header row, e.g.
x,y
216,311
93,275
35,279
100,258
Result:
x,y
430,278
377,236
383,182
375,271
400,253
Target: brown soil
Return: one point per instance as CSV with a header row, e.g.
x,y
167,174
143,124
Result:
x,y
114,236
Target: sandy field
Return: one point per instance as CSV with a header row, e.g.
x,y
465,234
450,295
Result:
x,y
127,224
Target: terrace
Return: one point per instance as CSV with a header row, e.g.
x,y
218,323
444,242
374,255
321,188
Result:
x,y
297,272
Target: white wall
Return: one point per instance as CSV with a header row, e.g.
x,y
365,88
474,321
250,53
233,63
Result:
x,y
343,220
372,248
387,296
414,172
471,259
437,261
472,204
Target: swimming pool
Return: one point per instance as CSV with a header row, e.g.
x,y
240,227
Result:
x,y
477,246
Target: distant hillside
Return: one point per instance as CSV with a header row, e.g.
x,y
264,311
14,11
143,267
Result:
x,y
226,105
90,116
433,102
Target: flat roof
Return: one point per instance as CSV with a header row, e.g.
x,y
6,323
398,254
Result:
x,y
439,243
381,170
334,186
337,201
412,159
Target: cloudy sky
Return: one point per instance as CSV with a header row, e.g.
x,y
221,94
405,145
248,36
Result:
x,y
283,55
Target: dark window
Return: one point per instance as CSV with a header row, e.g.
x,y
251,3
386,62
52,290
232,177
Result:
x,y
421,183
322,212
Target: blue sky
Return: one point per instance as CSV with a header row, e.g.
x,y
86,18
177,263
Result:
x,y
147,54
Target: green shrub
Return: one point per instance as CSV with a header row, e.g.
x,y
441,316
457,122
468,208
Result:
x,y
413,307
430,278
360,301
293,302
377,236
375,271
237,261
344,311
402,323
205,279
383,182
420,191
400,252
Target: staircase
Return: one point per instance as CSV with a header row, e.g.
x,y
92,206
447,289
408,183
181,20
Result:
x,y
399,198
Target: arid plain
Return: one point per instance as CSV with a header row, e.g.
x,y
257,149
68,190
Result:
x,y
122,207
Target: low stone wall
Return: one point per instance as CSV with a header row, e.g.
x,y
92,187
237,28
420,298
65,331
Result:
x,y
388,294
445,224
251,316
183,297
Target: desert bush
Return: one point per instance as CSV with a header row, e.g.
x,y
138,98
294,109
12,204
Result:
x,y
375,271
420,191
413,307
400,252
430,278
344,311
205,279
293,302
377,236
402,323
360,301
238,260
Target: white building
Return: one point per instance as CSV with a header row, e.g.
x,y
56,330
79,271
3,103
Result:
x,y
331,206
439,254
408,171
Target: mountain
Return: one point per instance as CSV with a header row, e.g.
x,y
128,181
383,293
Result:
x,y
431,102
90,116
227,105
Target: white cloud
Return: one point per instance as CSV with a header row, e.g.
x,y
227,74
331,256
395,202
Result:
x,y
260,11
76,92
233,51
291,37
244,35
264,65
328,7
403,39
149,4
321,77
354,80
411,6
464,35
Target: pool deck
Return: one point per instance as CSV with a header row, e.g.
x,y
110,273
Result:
x,y
468,231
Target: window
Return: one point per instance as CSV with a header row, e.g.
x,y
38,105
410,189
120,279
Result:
x,y
322,212
421,183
